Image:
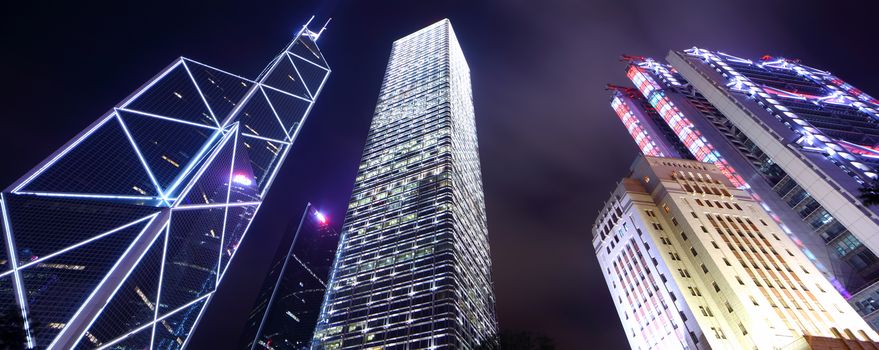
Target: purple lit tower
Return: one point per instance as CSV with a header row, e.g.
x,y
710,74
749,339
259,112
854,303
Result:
x,y
121,237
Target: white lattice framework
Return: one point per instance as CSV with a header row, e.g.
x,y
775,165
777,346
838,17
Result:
x,y
121,237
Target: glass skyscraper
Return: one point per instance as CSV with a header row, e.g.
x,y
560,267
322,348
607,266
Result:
x,y
285,314
120,238
797,139
413,266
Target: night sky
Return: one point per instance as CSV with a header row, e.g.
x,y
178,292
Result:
x,y
551,147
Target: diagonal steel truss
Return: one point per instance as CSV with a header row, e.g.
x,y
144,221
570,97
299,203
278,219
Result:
x,y
120,238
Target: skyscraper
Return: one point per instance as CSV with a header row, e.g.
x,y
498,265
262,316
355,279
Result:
x,y
286,311
692,262
413,267
121,237
761,168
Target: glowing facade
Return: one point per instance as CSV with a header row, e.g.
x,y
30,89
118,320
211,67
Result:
x,y
692,262
413,268
120,238
803,213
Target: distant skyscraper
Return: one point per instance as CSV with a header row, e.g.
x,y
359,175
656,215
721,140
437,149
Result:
x,y
120,238
692,262
714,132
413,268
288,306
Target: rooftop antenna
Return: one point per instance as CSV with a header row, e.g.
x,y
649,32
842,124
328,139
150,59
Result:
x,y
314,36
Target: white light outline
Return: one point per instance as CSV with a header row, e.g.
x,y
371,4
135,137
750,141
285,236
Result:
x,y
286,93
118,286
226,208
161,278
192,162
13,258
239,106
87,241
198,89
274,112
309,61
104,280
214,205
210,160
172,313
140,156
170,119
149,85
220,70
246,230
89,196
63,153
301,81
197,319
264,138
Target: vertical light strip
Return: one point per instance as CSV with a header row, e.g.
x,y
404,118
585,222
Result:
x,y
13,258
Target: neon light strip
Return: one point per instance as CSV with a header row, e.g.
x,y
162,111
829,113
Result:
x,y
226,211
200,172
87,241
264,138
302,81
103,280
172,313
277,117
167,118
193,161
307,60
197,319
140,156
197,88
150,84
215,205
246,230
119,286
285,93
63,153
13,258
90,196
161,278
219,70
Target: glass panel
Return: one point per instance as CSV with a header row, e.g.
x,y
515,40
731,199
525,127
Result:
x,y
56,288
290,109
10,312
222,91
263,156
246,186
134,304
168,147
213,184
257,118
192,256
285,78
307,49
103,163
174,96
236,223
43,225
312,75
137,341
173,330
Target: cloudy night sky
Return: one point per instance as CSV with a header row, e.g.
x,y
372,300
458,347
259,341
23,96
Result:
x,y
550,146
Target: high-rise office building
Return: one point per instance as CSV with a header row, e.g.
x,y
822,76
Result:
x,y
121,237
692,262
413,267
286,311
730,141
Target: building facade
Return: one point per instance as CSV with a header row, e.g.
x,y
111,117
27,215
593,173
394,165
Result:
x,y
413,267
285,314
120,238
764,167
692,262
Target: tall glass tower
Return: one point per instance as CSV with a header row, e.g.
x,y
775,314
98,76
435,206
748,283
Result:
x,y
413,267
120,238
